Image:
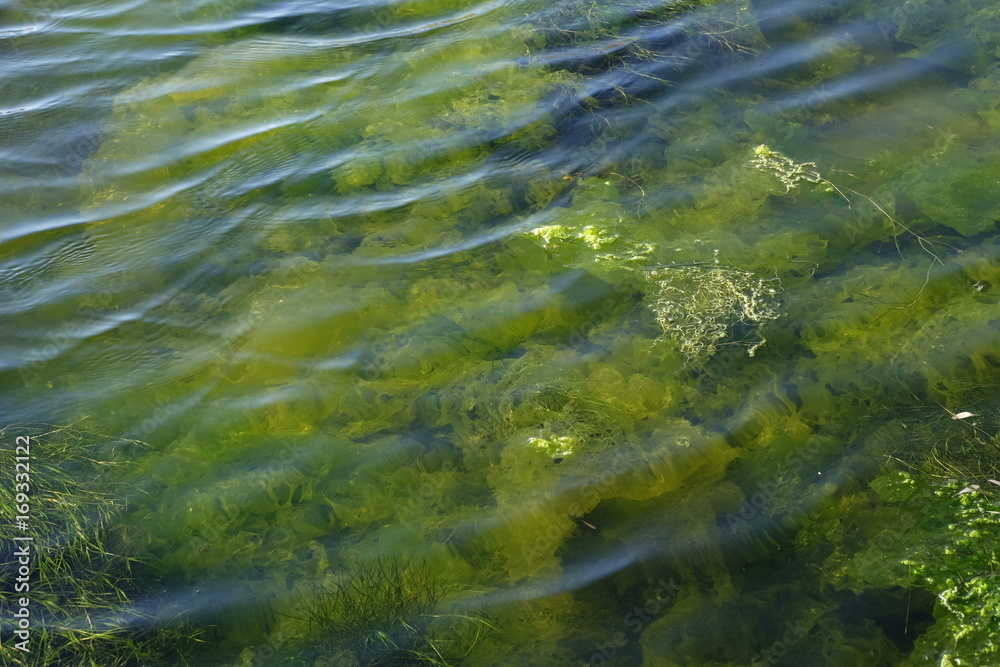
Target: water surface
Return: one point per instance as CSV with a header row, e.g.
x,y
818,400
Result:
x,y
600,317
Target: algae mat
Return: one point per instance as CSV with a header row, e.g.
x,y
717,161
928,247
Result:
x,y
505,333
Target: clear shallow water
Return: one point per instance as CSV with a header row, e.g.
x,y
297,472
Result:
x,y
476,286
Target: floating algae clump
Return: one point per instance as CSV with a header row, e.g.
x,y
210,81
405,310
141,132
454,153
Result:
x,y
784,168
699,306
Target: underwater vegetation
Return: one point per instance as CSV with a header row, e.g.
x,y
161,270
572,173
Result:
x,y
594,311
91,601
631,54
384,612
924,531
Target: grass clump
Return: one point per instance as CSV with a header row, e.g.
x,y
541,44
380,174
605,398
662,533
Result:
x,y
382,613
967,452
944,445
82,585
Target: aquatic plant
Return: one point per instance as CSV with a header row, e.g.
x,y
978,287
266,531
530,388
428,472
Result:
x,y
532,387
792,174
647,41
784,168
84,586
941,539
381,612
699,306
911,546
943,446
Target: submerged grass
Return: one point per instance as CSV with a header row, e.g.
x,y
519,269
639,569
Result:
x,y
381,613
945,445
82,586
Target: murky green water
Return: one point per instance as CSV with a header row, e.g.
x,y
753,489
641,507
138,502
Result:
x,y
510,333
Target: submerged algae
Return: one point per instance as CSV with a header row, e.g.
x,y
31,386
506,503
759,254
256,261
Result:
x,y
445,378
937,538
697,305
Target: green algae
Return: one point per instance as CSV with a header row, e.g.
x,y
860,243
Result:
x,y
932,537
697,304
504,409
